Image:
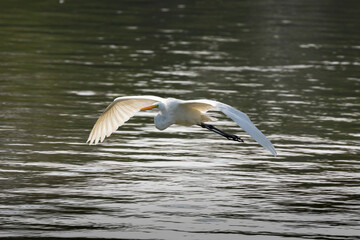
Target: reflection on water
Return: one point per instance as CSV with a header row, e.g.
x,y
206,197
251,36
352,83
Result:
x,y
292,66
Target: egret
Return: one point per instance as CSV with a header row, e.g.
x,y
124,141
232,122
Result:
x,y
173,111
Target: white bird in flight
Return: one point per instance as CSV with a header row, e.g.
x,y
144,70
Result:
x,y
173,111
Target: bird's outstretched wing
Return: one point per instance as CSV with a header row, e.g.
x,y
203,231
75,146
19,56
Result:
x,y
239,117
117,113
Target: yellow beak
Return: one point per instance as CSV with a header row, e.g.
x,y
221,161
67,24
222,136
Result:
x,y
149,107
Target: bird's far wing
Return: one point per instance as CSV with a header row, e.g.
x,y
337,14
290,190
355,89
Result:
x,y
245,123
117,113
239,117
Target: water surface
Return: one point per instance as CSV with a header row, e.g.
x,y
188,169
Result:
x,y
293,66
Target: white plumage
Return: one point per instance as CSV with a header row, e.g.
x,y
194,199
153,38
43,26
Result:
x,y
171,111
117,113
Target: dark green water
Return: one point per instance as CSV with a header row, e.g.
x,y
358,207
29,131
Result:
x,y
293,66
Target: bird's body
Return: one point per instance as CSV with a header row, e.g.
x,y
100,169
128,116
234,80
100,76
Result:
x,y
175,111
172,111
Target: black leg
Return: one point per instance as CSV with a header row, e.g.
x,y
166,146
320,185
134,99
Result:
x,y
218,131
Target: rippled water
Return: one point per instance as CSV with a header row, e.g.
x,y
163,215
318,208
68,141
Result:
x,y
293,66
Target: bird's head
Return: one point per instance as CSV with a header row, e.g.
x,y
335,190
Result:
x,y
162,120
